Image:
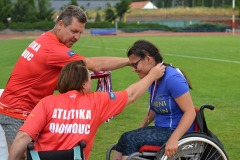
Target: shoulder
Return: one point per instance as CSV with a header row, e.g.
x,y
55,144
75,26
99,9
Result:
x,y
52,98
110,96
173,77
172,72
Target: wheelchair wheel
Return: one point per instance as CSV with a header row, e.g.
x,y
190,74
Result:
x,y
195,146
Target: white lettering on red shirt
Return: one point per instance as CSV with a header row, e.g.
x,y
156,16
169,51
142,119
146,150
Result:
x,y
71,114
69,128
27,55
35,46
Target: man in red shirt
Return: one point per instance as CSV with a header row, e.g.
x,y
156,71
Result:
x,y
76,113
36,71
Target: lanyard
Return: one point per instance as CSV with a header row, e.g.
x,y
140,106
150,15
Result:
x,y
153,93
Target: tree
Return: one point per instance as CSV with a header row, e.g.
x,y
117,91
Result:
x,y
98,17
109,13
45,12
238,7
5,11
24,11
122,7
73,2
163,3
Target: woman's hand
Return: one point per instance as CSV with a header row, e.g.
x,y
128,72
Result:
x,y
171,147
157,71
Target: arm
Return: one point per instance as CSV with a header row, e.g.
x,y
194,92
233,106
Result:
x,y
137,89
186,105
19,145
147,119
106,63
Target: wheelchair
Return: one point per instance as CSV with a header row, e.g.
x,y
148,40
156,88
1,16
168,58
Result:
x,y
72,154
201,144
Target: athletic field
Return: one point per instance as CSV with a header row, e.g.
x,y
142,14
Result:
x,y
211,62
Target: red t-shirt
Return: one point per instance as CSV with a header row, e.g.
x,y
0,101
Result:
x,y
59,122
35,75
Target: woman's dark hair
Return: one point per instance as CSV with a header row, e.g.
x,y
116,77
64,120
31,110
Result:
x,y
72,77
70,12
142,48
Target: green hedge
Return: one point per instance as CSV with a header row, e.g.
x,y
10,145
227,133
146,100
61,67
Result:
x,y
128,27
42,25
90,25
207,27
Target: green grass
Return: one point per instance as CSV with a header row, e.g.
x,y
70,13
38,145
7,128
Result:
x,y
212,64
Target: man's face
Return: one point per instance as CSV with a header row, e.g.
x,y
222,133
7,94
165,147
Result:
x,y
68,35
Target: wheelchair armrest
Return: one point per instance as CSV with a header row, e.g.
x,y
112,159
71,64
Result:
x,y
110,149
30,146
208,106
82,144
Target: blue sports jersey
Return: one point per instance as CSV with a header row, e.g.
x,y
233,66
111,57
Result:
x,y
167,112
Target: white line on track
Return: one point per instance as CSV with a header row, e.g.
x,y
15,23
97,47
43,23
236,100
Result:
x,y
174,55
210,59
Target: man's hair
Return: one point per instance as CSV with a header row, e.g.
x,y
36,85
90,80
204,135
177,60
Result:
x,y
70,12
72,77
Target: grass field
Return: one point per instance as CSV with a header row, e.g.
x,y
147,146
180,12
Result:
x,y
212,64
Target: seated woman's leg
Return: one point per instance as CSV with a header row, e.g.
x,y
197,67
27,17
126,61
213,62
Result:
x,y
131,141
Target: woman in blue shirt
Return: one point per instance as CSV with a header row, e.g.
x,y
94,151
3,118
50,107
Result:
x,y
170,105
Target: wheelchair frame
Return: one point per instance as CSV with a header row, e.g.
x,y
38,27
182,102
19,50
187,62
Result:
x,y
192,146
76,153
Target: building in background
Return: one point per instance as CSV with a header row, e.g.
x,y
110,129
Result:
x,y
143,5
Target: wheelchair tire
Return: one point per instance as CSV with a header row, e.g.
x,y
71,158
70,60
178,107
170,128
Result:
x,y
195,146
